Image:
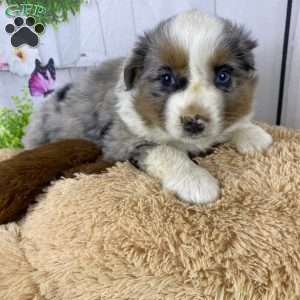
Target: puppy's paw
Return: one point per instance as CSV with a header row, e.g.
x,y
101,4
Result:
x,y
251,139
194,185
139,154
177,172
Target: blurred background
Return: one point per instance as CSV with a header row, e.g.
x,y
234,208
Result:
x,y
80,34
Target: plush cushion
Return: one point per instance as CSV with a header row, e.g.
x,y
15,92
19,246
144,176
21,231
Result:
x,y
119,236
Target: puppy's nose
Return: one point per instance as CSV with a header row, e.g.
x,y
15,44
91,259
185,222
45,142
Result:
x,y
193,125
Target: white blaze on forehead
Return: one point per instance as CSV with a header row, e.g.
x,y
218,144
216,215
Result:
x,y
199,34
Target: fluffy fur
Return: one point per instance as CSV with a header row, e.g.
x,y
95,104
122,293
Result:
x,y
24,176
118,236
166,92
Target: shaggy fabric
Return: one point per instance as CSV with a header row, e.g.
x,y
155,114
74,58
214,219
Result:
x,y
24,176
118,236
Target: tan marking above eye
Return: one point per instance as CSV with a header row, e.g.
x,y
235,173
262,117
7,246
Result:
x,y
221,56
173,55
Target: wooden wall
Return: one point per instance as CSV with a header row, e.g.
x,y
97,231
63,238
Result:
x,y
108,28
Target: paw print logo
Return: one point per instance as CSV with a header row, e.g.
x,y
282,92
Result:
x,y
24,32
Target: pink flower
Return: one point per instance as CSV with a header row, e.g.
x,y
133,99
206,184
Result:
x,y
41,85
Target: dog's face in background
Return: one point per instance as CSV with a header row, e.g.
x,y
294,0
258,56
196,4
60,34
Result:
x,y
193,76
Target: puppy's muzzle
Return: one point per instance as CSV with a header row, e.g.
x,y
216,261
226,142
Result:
x,y
193,125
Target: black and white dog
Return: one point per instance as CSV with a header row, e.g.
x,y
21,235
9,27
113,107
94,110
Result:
x,y
187,84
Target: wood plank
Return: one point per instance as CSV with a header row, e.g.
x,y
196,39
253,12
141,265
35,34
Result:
x,y
48,47
5,44
68,40
144,21
118,26
10,85
208,6
92,46
266,20
157,10
291,100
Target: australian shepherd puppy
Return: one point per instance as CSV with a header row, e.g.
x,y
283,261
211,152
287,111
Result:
x,y
186,85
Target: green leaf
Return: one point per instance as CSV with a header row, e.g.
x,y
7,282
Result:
x,y
14,121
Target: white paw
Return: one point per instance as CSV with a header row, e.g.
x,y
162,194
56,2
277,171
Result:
x,y
195,185
251,139
180,175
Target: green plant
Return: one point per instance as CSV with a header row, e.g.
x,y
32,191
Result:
x,y
56,10
14,121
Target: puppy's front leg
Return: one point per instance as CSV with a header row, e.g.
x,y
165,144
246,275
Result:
x,y
250,138
177,172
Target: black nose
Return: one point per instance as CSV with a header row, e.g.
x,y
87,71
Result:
x,y
193,125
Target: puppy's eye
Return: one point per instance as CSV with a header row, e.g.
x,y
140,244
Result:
x,y
167,80
223,77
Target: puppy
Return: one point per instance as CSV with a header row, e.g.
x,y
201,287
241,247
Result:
x,y
186,85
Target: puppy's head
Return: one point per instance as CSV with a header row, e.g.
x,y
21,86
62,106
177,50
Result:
x,y
192,76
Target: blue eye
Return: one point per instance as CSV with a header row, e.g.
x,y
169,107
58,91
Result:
x,y
223,77
167,80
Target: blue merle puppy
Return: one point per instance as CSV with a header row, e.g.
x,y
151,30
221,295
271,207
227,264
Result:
x,y
187,84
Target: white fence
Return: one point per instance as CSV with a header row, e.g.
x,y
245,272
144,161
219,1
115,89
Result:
x,y
108,28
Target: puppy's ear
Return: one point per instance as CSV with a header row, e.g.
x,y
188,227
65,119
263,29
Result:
x,y
245,54
136,62
241,44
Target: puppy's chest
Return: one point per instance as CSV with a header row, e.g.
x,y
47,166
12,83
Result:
x,y
190,148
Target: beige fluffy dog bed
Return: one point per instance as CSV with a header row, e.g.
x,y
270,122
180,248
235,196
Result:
x,y
118,236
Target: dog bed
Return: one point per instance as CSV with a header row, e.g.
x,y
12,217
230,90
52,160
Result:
x,y
118,236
